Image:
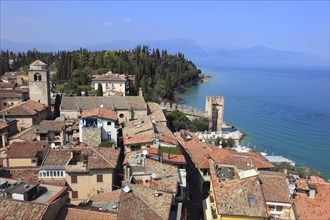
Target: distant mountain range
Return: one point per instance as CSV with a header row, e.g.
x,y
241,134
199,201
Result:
x,y
258,55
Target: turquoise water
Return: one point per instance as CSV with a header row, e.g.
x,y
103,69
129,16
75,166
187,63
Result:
x,y
283,111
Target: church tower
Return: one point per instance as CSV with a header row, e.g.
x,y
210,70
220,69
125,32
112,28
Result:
x,y
39,87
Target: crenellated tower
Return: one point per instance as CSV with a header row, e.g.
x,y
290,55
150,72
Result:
x,y
214,108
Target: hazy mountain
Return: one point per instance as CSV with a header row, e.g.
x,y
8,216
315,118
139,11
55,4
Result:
x,y
258,55
23,47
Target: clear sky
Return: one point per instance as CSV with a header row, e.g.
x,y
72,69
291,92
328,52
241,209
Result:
x,y
287,25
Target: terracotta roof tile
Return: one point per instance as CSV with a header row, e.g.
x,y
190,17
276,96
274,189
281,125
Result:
x,y
13,209
243,161
26,149
109,102
275,187
7,85
46,126
141,203
38,63
106,197
167,175
27,108
156,111
109,77
28,134
99,157
57,157
27,174
175,159
138,139
314,208
10,95
198,151
140,126
241,197
100,113
81,214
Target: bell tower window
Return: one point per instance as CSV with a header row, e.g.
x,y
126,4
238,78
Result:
x,y
37,77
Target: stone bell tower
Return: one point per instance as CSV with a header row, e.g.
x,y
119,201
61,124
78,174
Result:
x,y
214,107
39,87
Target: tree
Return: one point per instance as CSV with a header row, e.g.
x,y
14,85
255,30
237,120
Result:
x,y
99,90
57,106
306,172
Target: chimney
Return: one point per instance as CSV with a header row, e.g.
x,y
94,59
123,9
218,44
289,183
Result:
x,y
140,92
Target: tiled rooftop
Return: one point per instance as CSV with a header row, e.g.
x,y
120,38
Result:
x,y
28,134
239,197
140,126
27,174
38,63
109,77
26,149
141,203
10,95
57,158
138,139
81,214
99,157
156,112
175,159
100,113
242,160
7,85
12,209
198,151
314,208
106,197
27,108
167,175
274,187
46,126
108,102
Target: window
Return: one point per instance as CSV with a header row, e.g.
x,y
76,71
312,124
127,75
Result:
x,y
47,173
109,123
99,178
121,115
37,77
109,136
75,194
4,104
74,179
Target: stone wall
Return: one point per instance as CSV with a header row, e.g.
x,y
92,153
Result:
x,y
91,136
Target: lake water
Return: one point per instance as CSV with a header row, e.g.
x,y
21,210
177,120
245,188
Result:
x,y
283,111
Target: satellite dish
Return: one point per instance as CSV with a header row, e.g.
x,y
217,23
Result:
x,y
126,189
145,152
52,145
153,175
101,106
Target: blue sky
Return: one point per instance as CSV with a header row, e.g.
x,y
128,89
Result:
x,y
286,25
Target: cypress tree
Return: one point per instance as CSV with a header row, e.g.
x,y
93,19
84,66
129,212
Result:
x,y
99,90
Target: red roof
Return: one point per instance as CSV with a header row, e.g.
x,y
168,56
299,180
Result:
x,y
198,151
26,149
73,213
242,160
314,208
138,139
99,112
175,159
